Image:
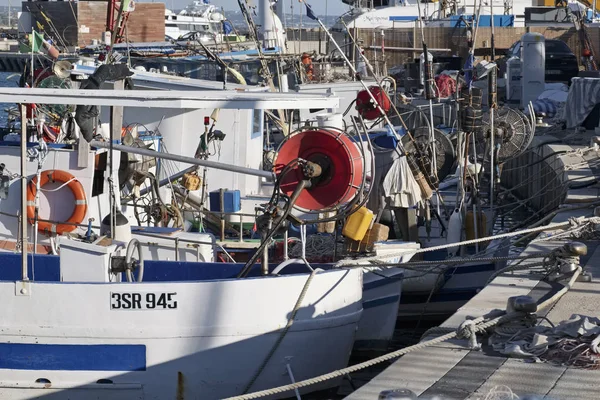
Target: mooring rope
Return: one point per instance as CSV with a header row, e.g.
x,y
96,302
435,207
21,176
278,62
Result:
x,y
467,330
573,221
283,332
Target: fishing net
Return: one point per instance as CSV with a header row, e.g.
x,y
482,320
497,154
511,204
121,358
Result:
x,y
574,343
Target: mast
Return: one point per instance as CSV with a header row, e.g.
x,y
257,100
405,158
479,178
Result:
x,y
267,24
492,105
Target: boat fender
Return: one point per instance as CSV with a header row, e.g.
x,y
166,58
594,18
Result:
x,y
454,231
72,183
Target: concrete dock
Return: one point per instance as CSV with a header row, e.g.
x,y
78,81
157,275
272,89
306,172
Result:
x,y
451,370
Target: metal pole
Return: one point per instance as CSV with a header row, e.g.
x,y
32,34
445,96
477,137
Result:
x,y
241,228
184,159
285,245
23,238
32,61
492,104
111,156
433,149
222,206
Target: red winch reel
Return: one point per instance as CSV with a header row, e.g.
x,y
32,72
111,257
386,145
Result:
x,y
340,160
367,108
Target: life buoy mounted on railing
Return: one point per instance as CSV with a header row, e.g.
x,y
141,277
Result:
x,y
79,212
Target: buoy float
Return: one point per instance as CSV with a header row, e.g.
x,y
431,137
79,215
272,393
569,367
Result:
x,y
367,108
454,231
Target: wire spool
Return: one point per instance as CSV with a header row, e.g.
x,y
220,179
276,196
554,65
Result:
x,y
365,106
338,156
512,132
444,150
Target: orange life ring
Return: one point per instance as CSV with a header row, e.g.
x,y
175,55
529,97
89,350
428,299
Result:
x,y
79,212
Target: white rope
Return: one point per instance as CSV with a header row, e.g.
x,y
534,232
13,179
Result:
x,y
501,393
594,346
558,225
303,240
60,187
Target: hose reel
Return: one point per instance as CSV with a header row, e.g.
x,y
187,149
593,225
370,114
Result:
x,y
334,160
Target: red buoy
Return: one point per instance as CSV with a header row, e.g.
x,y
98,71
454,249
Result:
x,y
338,156
367,108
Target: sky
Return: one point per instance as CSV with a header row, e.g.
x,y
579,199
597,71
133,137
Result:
x,y
333,6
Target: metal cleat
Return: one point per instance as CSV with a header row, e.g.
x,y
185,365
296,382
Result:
x,y
575,249
586,276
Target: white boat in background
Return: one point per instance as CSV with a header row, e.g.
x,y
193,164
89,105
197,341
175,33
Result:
x,y
389,14
199,17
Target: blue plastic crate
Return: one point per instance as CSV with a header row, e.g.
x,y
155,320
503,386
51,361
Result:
x,y
231,199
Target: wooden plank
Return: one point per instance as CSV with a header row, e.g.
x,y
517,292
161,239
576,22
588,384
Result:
x,y
83,149
116,115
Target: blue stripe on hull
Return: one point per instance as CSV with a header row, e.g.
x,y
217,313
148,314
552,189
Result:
x,y
403,18
380,302
72,357
385,280
484,20
447,295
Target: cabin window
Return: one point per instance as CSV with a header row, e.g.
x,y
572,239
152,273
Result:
x,y
171,25
100,162
257,120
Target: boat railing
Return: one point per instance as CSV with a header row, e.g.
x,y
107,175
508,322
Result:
x,y
192,243
330,71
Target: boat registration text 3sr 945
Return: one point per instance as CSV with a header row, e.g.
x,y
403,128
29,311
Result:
x,y
143,301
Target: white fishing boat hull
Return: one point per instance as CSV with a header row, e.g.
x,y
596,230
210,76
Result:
x,y
205,340
382,290
381,296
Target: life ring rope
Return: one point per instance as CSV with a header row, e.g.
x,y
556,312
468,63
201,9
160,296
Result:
x,y
79,213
